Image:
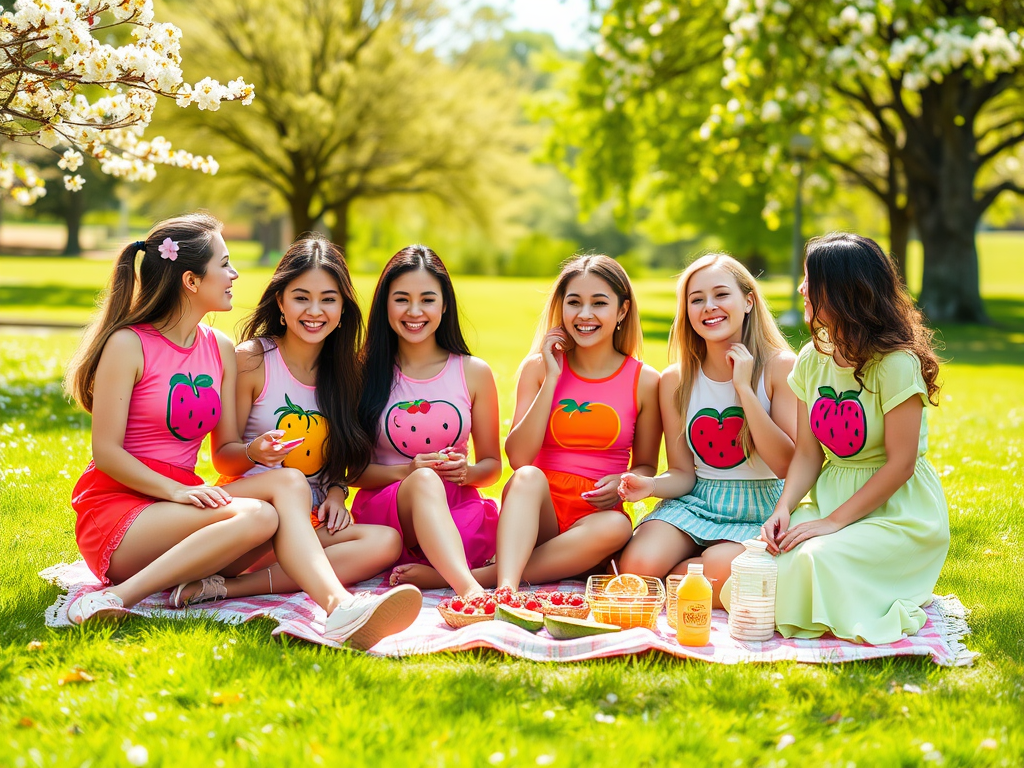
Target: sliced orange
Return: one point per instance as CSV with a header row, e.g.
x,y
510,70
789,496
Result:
x,y
627,585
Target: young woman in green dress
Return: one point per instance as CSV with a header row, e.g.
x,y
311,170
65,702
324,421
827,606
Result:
x,y
862,558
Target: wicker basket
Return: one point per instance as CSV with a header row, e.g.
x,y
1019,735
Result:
x,y
455,620
624,611
572,611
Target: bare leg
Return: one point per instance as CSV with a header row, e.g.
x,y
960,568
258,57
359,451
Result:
x,y
171,543
355,553
296,545
426,521
527,518
586,544
655,548
717,560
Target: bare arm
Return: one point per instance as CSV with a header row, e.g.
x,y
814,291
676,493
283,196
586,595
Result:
x,y
902,432
775,435
120,368
535,394
808,459
486,431
678,480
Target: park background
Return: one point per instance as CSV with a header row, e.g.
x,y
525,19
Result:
x,y
508,149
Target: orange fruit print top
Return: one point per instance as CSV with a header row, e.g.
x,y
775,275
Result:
x,y
584,425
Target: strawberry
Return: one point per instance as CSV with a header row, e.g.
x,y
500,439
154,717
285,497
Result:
x,y
576,600
490,607
557,598
469,610
516,603
532,605
456,605
542,595
478,601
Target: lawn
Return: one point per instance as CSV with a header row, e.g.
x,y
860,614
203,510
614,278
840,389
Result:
x,y
173,692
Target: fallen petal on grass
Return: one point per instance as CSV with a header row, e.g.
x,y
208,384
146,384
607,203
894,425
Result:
x,y
76,676
786,740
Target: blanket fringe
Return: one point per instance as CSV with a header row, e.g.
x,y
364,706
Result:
x,y
952,624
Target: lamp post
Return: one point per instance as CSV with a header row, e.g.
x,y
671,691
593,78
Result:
x,y
800,150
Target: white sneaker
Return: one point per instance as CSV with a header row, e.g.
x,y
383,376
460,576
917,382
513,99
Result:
x,y
96,605
368,618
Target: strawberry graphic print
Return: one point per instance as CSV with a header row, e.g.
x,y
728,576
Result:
x,y
839,422
715,437
193,406
422,426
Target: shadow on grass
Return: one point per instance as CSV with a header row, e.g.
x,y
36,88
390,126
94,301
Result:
x,y
50,295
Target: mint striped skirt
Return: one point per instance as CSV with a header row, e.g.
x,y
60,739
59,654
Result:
x,y
721,510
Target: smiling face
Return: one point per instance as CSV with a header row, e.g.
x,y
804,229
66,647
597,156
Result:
x,y
212,291
715,305
312,306
415,305
591,310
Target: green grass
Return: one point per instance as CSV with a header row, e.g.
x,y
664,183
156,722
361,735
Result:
x,y
201,693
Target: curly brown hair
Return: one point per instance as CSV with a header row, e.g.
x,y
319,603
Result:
x,y
861,307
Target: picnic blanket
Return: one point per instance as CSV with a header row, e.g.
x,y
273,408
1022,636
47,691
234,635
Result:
x,y
298,616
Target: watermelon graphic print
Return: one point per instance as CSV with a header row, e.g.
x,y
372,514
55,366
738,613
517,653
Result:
x,y
715,437
422,426
839,421
193,406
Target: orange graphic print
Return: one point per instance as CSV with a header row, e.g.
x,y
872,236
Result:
x,y
296,422
588,426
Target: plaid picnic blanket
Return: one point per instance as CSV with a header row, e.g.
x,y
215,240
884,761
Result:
x,y
298,616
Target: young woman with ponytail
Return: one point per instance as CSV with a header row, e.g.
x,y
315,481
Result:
x,y
153,377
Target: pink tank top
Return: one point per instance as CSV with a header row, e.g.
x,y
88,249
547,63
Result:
x,y
287,404
590,430
425,415
176,403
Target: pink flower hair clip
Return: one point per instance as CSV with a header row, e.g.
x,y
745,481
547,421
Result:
x,y
168,249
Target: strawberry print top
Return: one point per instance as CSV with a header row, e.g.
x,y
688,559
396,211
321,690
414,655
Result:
x,y
591,424
289,405
176,402
714,419
848,419
425,415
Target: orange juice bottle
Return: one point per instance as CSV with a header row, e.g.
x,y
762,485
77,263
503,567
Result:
x,y
693,607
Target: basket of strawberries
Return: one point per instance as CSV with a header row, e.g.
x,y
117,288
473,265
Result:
x,y
461,612
556,603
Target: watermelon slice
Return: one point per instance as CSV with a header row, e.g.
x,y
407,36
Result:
x,y
568,628
531,621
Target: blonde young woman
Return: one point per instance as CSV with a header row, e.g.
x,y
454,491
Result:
x,y
730,427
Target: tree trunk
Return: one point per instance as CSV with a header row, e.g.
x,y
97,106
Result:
x,y
950,288
339,232
899,236
74,208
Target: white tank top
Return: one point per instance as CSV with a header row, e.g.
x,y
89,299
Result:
x,y
286,403
713,422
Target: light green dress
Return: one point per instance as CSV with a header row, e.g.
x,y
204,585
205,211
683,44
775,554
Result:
x,y
868,581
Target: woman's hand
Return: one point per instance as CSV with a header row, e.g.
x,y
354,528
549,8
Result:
x,y
201,496
605,494
556,343
334,511
808,530
266,450
426,461
454,468
775,528
635,487
742,365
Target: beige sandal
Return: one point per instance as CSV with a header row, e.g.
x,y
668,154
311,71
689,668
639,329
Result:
x,y
210,588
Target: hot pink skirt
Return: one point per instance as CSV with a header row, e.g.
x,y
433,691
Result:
x,y
475,516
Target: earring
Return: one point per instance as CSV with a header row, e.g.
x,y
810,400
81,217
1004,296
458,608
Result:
x,y
618,326
282,319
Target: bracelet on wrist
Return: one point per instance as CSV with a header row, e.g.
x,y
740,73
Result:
x,y
250,458
344,488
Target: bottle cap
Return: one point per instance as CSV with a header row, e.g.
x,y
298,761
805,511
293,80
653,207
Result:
x,y
695,568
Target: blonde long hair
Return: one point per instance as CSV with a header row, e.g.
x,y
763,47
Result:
x,y
761,336
628,338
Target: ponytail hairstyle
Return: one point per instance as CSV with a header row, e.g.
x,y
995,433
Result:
x,y
377,357
338,377
628,338
861,307
152,295
761,336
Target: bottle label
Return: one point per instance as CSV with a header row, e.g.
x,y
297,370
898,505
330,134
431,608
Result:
x,y
694,614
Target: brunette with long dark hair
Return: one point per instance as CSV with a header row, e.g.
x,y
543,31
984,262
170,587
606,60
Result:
x,y
878,518
299,380
157,381
423,397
